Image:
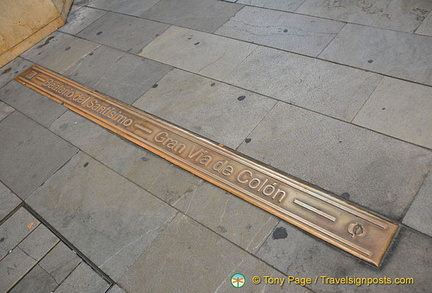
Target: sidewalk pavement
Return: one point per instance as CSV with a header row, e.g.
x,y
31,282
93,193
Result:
x,y
337,93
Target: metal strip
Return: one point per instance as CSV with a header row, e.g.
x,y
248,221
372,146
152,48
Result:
x,y
340,223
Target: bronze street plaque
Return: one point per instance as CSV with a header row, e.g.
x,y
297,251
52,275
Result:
x,y
342,224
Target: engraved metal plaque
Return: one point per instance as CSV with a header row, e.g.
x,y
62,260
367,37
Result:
x,y
340,223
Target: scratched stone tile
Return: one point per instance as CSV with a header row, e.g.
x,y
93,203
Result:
x,y
9,201
30,154
108,218
321,86
5,110
132,7
59,51
426,27
303,256
399,15
83,279
120,75
202,15
185,257
229,216
419,216
206,54
400,109
36,281
29,102
291,5
292,32
378,172
13,69
80,19
13,267
39,242
397,54
126,158
215,110
123,32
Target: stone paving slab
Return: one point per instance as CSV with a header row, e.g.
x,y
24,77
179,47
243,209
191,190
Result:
x,y
36,281
202,15
397,54
116,289
30,154
13,267
59,51
400,109
131,7
38,243
215,110
375,171
80,19
292,32
108,218
5,110
31,103
426,27
274,4
202,53
123,32
9,201
12,69
399,15
419,214
117,74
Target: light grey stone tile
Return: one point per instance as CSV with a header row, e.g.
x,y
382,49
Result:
x,y
317,85
202,53
80,19
13,267
301,255
13,69
378,172
8,200
202,15
108,218
36,281
30,154
397,54
419,214
426,26
5,110
275,4
116,289
293,32
200,259
123,32
39,242
232,218
29,102
60,262
15,229
81,2
400,109
83,279
399,15
126,158
59,51
132,7
215,110
123,76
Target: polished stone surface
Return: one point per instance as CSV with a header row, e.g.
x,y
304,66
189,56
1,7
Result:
x,y
131,7
397,54
13,69
217,111
274,4
287,31
80,19
5,109
400,109
30,154
9,201
83,279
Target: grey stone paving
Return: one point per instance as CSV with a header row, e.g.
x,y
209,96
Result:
x,y
83,279
5,110
9,201
36,281
426,27
13,267
12,69
274,4
80,19
132,7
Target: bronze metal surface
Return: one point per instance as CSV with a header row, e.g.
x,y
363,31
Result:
x,y
338,222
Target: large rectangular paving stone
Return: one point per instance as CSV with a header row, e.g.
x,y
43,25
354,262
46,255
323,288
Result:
x,y
132,7
400,109
426,27
120,75
39,242
31,103
30,154
284,5
59,51
80,19
123,32
108,218
378,172
5,110
214,110
12,69
396,54
300,255
202,53
399,15
202,15
292,32
328,88
9,201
